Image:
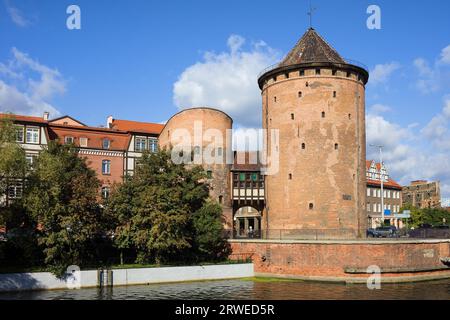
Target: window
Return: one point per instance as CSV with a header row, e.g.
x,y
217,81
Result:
x,y
105,192
349,116
140,144
349,74
368,207
68,140
153,145
303,146
374,207
307,84
209,174
311,206
15,190
334,72
220,151
106,166
106,143
19,134
286,75
317,71
274,78
290,176
336,146
32,135
323,114
379,193
302,73
334,94
83,142
274,99
220,199
368,192
299,94
241,176
379,207
292,116
30,158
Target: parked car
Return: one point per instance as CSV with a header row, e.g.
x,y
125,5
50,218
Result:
x,y
382,232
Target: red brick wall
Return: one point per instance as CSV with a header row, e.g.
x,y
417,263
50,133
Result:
x,y
319,259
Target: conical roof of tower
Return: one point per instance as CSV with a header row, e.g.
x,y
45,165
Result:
x,y
311,48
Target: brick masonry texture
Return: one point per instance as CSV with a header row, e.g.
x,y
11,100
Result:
x,y
326,113
330,259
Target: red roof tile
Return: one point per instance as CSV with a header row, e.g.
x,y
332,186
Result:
x,y
135,126
16,117
389,184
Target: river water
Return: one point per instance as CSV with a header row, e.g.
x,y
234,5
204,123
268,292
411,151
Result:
x,y
249,289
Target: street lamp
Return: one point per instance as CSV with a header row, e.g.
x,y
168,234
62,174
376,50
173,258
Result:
x,y
381,179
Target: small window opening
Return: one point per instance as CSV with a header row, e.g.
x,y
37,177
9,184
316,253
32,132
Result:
x,y
290,176
303,146
334,94
292,116
302,73
317,71
311,206
323,114
299,94
336,146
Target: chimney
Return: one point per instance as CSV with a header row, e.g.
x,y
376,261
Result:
x,y
46,115
109,122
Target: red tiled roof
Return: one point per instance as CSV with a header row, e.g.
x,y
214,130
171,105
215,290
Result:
x,y
389,184
135,126
16,117
369,163
119,140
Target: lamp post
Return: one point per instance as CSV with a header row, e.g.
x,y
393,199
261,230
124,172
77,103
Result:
x,y
381,180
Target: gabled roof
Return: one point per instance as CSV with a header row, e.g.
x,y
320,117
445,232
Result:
x,y
311,48
16,117
138,127
71,121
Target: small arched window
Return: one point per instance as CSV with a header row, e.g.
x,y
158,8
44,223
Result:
x,y
311,206
307,84
303,146
336,146
292,116
323,114
299,94
290,176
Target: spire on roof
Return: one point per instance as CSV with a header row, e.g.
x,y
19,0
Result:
x,y
311,48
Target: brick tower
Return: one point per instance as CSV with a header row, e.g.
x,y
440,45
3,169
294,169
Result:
x,y
316,99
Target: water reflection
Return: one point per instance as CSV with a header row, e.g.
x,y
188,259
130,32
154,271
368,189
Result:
x,y
252,290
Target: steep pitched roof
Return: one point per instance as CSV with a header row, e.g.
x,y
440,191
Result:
x,y
311,48
135,126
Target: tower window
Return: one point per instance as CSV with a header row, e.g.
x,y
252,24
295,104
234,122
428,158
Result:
x,y
311,206
317,71
299,94
336,146
220,199
274,99
307,84
274,78
334,94
290,176
303,146
286,75
302,73
349,116
292,116
349,74
323,114
334,72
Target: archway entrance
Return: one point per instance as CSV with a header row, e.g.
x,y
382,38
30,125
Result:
x,y
247,223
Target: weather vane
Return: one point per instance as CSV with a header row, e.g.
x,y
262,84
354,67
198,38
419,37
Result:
x,y
310,13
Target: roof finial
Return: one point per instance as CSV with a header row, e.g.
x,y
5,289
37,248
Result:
x,y
310,13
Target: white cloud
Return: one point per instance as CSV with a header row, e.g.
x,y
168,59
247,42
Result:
x,y
445,55
382,72
227,81
16,15
435,77
379,108
413,154
27,86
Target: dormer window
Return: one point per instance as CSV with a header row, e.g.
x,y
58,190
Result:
x,y
106,144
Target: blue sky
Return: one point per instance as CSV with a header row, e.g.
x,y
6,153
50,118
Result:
x,y
142,60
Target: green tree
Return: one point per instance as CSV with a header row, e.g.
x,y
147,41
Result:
x,y
21,245
209,239
63,197
153,208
